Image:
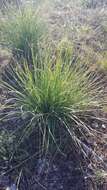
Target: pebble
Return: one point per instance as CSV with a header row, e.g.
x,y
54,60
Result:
x,y
103,126
12,187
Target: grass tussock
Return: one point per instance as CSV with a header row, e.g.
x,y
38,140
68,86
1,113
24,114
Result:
x,y
55,98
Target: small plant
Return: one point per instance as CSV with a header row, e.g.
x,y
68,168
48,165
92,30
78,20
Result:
x,y
100,177
21,30
55,99
90,3
93,3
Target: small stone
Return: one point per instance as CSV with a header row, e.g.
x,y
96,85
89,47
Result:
x,y
8,188
12,187
103,126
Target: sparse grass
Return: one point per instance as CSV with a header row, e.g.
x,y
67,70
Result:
x,y
55,98
5,147
9,155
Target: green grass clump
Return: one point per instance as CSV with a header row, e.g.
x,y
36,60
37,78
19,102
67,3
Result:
x,y
55,99
21,30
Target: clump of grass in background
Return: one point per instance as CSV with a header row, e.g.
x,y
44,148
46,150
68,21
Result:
x,y
55,99
102,61
65,50
21,30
